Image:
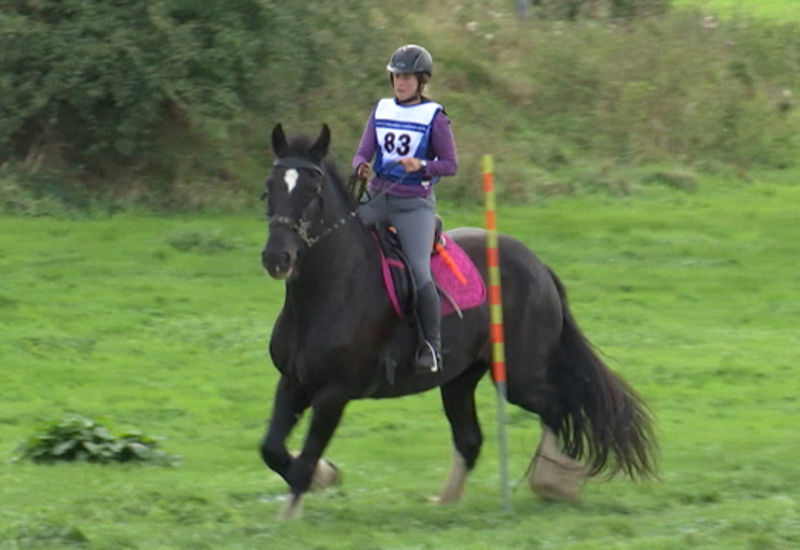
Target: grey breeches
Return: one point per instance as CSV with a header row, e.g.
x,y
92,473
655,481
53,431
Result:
x,y
415,221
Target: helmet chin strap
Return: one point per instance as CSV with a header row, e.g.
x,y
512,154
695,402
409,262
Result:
x,y
413,99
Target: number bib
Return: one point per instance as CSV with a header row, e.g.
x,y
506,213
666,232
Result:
x,y
402,131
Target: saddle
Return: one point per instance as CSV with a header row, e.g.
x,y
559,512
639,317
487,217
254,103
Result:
x,y
458,281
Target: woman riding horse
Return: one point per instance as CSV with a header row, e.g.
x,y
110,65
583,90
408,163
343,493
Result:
x,y
337,327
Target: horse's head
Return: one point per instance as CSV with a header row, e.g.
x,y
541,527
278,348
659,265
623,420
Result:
x,y
294,192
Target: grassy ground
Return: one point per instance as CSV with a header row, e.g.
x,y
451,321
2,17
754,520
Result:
x,y
162,324
786,10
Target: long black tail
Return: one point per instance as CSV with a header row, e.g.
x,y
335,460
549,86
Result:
x,y
605,423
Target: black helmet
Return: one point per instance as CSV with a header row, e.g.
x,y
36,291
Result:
x,y
411,59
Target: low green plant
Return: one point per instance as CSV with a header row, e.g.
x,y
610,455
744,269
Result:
x,y
46,533
574,9
16,199
77,438
679,179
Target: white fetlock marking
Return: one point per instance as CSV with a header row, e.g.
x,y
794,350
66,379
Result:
x,y
554,475
453,488
325,475
292,508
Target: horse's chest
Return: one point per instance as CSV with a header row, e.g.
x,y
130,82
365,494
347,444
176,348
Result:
x,y
311,350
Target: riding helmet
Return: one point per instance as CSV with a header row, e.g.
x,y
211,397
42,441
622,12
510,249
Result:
x,y
411,59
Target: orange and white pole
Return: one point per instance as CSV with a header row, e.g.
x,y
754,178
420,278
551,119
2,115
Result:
x,y
496,315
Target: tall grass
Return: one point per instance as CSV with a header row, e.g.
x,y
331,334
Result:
x,y
565,105
676,89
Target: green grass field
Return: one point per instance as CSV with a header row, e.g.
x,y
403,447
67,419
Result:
x,y
162,324
786,10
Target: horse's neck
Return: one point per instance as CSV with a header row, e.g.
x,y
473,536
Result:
x,y
338,267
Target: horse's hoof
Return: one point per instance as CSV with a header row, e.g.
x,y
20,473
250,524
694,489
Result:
x,y
453,488
292,508
558,480
557,493
325,475
445,499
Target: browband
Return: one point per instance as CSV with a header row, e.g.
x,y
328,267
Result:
x,y
291,162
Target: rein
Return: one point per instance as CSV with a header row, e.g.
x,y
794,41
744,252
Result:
x,y
384,191
302,226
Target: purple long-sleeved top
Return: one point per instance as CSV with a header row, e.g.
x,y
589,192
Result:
x,y
442,157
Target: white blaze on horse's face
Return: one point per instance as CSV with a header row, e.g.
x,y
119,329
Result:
x,y
290,177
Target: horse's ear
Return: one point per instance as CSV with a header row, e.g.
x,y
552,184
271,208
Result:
x,y
320,148
279,143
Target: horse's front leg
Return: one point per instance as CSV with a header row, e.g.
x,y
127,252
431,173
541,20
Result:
x,y
307,471
458,397
290,402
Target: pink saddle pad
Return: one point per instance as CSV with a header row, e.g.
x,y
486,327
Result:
x,y
471,294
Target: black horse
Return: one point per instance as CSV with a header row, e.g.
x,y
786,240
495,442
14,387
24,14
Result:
x,y
331,339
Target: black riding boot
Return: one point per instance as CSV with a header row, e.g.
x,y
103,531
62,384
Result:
x,y
429,353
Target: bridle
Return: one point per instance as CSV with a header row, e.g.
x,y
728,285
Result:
x,y
302,225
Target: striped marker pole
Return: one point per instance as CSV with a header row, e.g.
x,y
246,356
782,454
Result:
x,y
496,310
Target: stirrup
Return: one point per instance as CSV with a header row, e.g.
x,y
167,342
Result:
x,y
426,353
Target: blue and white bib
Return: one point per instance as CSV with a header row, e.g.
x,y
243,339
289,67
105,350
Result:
x,y
402,131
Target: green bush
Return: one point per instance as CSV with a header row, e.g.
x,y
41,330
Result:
x,y
119,92
89,77
77,438
171,102
16,198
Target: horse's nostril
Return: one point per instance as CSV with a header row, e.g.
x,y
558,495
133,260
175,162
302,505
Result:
x,y
277,262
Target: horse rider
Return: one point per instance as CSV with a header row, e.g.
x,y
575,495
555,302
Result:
x,y
412,143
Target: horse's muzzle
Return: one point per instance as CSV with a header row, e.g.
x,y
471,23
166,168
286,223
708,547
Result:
x,y
278,264
280,254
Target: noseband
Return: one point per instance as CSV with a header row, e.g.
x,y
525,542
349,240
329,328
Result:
x,y
303,224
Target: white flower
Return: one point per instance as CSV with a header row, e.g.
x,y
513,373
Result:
x,y
709,22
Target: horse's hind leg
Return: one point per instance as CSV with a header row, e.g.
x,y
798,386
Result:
x,y
458,397
553,475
